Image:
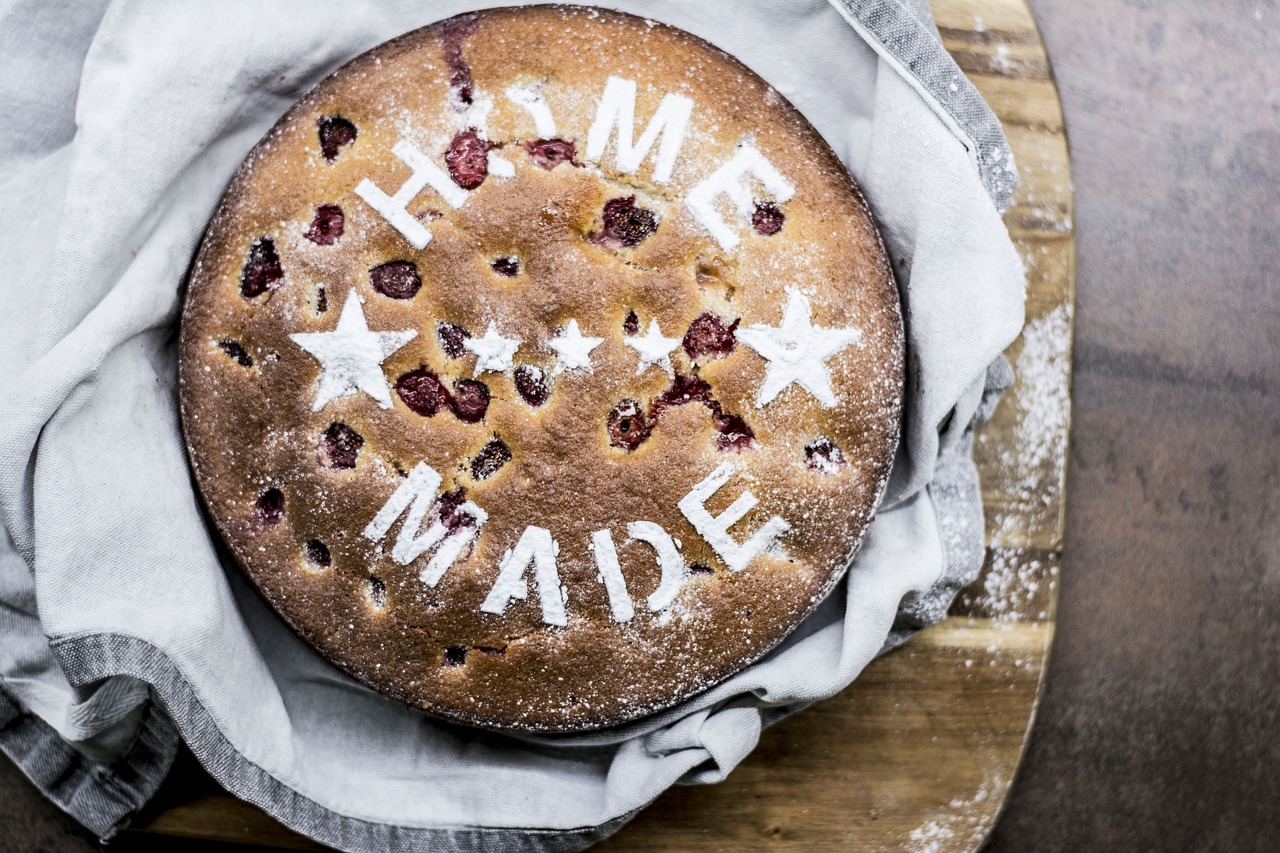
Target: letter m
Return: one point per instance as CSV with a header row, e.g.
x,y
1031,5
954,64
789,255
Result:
x,y
618,109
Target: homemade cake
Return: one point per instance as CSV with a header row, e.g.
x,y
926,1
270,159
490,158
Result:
x,y
542,367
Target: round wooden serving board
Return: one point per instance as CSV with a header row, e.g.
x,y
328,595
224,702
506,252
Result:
x,y
919,753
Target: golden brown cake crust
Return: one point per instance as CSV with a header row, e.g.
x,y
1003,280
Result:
x,y
293,488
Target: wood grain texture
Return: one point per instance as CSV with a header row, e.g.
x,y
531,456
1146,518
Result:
x,y
919,753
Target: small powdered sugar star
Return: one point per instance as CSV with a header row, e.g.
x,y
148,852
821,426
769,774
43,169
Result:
x,y
351,356
796,350
653,348
493,352
573,351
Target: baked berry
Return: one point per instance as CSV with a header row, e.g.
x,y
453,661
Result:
x,y
423,392
683,389
317,554
627,224
631,325
490,459
549,153
508,266
709,335
455,655
327,225
268,509
531,382
335,132
322,299
701,569
451,339
468,159
470,400
767,218
450,503
396,279
235,351
821,454
340,445
261,270
455,32
628,426
734,432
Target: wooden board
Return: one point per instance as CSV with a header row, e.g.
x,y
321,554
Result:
x,y
919,753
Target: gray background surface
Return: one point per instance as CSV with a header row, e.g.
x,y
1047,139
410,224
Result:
x,y
1158,729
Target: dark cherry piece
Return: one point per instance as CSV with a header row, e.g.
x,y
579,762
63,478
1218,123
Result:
x,y
821,454
261,269
341,444
423,392
335,132
326,228
701,569
470,400
549,153
627,224
709,335
767,218
268,509
455,655
317,554
322,300
450,517
490,459
454,33
531,382
628,426
396,279
508,266
683,389
468,159
235,351
631,325
451,337
734,432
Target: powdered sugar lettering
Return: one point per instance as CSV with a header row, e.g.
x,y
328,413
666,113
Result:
x,y
393,207
618,109
715,528
728,180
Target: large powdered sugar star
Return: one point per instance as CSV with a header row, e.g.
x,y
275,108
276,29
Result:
x,y
573,351
653,348
796,351
493,351
351,356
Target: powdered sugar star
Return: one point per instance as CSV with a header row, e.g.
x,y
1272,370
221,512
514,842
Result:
x,y
653,348
493,352
573,351
351,356
796,350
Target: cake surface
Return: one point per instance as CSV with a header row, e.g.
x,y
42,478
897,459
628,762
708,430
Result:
x,y
542,368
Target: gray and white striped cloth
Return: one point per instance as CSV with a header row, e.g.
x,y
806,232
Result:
x,y
122,627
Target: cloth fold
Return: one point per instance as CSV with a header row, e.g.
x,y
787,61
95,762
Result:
x,y
123,623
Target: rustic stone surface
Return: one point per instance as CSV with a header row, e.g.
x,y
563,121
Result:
x,y
1158,726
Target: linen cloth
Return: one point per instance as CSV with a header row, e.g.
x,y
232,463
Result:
x,y
123,626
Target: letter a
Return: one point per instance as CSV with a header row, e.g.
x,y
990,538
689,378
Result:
x,y
535,546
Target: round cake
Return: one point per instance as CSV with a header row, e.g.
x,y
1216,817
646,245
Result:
x,y
542,368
